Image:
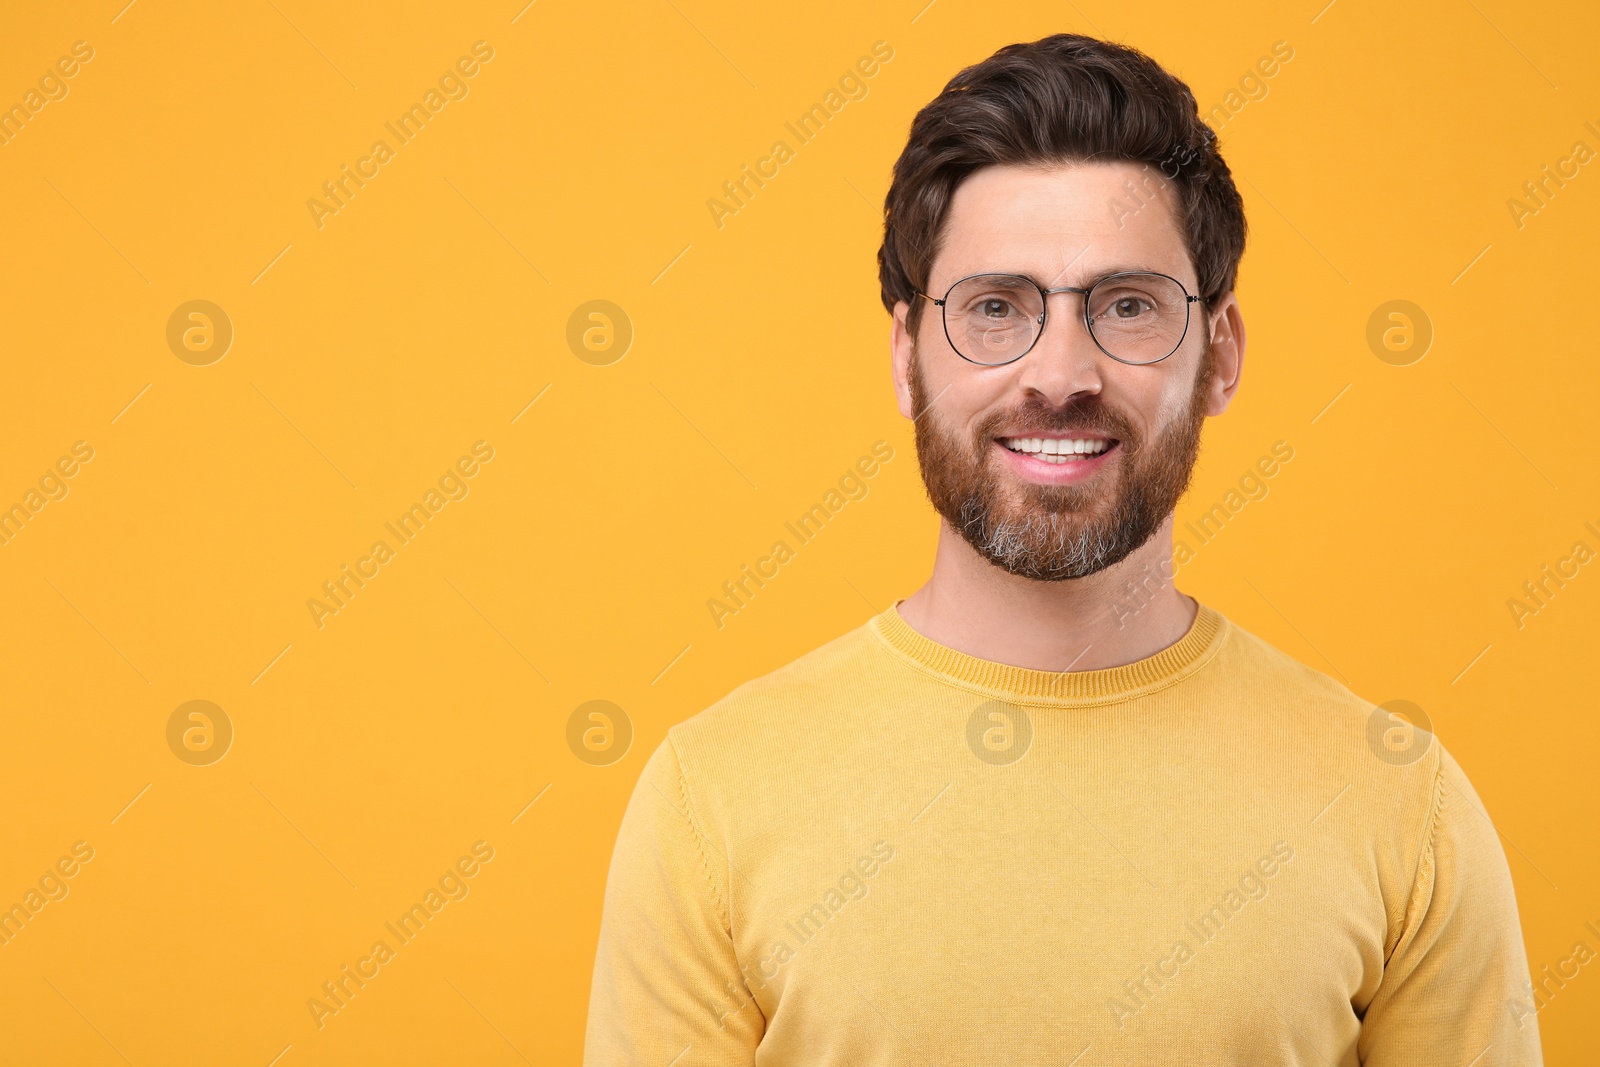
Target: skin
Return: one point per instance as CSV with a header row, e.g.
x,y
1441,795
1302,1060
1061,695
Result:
x,y
1055,224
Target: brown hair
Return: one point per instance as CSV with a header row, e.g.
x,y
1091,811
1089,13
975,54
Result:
x,y
1062,99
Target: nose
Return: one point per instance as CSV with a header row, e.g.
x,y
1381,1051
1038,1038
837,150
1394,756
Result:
x,y
1064,361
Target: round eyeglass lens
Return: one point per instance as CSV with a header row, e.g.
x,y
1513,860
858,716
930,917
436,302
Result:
x,y
993,318
1138,318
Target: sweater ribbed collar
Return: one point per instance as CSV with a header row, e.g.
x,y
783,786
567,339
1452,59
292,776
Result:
x,y
1025,685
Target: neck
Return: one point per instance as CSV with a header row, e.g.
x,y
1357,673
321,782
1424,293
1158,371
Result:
x,y
1127,612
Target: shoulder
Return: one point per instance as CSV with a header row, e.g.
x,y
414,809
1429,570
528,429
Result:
x,y
1381,758
771,742
1287,695
1250,657
826,675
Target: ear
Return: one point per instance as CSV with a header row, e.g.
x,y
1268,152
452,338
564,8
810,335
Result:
x,y
901,344
1227,351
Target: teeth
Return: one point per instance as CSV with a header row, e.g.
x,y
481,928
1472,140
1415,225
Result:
x,y
1055,449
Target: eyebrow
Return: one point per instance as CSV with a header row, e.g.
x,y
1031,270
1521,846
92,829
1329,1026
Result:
x,y
1091,280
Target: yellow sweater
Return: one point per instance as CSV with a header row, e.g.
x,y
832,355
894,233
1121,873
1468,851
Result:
x,y
890,852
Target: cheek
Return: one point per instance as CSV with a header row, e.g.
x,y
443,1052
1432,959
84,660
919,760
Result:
x,y
1174,406
975,397
1176,396
1151,402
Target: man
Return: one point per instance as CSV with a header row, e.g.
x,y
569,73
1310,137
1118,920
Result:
x,y
1011,820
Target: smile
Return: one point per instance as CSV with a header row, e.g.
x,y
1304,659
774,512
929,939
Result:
x,y
1058,449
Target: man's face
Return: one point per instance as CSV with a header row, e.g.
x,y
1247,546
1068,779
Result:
x,y
1058,518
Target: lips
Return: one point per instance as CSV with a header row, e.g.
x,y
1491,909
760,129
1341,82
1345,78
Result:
x,y
1057,449
1057,459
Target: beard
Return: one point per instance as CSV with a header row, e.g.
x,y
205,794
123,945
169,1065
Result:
x,y
1053,533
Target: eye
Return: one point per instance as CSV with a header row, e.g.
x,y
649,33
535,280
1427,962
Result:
x,y
993,302
1127,305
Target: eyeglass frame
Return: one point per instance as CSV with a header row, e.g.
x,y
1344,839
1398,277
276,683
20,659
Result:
x,y
1044,313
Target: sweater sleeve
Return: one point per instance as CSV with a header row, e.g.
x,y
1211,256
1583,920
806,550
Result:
x,y
1453,983
667,985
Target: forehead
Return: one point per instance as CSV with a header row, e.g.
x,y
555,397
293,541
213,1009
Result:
x,y
1062,224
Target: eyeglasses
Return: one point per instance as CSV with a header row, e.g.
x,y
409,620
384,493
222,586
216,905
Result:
x,y
1136,317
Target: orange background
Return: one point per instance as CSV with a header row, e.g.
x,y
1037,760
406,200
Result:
x,y
369,354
